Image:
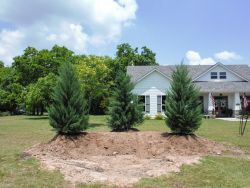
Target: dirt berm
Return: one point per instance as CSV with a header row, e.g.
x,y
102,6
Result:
x,y
121,158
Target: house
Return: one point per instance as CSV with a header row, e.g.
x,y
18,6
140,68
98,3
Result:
x,y
226,84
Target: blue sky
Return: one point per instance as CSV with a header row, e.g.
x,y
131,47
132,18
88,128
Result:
x,y
200,31
173,27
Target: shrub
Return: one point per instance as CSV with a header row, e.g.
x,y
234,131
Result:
x,y
67,114
7,113
159,116
146,117
183,110
124,109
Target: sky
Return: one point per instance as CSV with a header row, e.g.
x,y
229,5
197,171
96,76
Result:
x,y
196,31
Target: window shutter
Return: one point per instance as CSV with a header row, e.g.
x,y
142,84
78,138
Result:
x,y
147,103
159,102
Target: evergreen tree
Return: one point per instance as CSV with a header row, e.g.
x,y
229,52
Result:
x,y
183,109
124,109
67,113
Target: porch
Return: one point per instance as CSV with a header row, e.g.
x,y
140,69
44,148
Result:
x,y
224,104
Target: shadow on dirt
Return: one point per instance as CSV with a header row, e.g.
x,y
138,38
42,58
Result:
x,y
175,135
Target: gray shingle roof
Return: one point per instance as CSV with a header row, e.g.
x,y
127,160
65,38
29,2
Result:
x,y
137,72
220,87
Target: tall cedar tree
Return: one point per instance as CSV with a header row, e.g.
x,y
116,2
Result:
x,y
124,109
183,108
68,112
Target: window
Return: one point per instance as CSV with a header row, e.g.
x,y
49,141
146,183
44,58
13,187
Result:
x,y
161,103
214,75
144,100
223,75
141,100
147,104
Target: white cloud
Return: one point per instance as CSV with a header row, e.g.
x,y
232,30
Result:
x,y
77,24
194,58
207,61
10,44
70,35
227,56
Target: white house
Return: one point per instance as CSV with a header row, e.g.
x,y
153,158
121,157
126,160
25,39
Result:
x,y
226,83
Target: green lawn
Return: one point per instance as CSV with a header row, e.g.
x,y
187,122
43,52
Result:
x,y
20,132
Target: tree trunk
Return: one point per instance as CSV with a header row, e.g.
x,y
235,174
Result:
x,y
33,111
42,109
37,111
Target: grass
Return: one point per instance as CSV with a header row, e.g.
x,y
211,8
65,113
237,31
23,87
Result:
x,y
211,172
226,132
18,133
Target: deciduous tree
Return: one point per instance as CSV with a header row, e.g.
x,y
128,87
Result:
x,y
127,56
39,95
95,79
10,91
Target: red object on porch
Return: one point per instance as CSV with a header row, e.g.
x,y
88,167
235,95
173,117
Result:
x,y
245,102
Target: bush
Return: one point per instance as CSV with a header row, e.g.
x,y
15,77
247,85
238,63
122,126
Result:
x,y
183,110
159,116
67,114
147,117
124,109
7,113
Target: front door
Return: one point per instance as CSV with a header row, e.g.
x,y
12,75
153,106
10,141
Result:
x,y
221,106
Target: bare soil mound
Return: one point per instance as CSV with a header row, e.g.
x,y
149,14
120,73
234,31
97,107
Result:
x,y
121,158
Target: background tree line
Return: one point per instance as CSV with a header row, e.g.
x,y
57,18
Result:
x,y
27,85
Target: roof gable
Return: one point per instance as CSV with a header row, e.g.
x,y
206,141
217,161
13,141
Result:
x,y
152,71
226,68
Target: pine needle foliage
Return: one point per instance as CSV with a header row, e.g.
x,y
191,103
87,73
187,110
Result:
x,y
68,112
124,109
183,110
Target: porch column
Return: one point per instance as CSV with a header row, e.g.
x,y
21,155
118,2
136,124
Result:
x,y
210,104
236,104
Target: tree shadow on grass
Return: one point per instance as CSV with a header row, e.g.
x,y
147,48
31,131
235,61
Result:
x,y
36,118
94,125
175,135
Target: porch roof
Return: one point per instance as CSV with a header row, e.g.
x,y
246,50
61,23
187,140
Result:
x,y
229,87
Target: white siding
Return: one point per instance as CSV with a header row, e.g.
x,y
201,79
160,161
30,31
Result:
x,y
230,75
153,84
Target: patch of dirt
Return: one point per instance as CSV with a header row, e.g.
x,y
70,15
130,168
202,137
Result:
x,y
122,158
